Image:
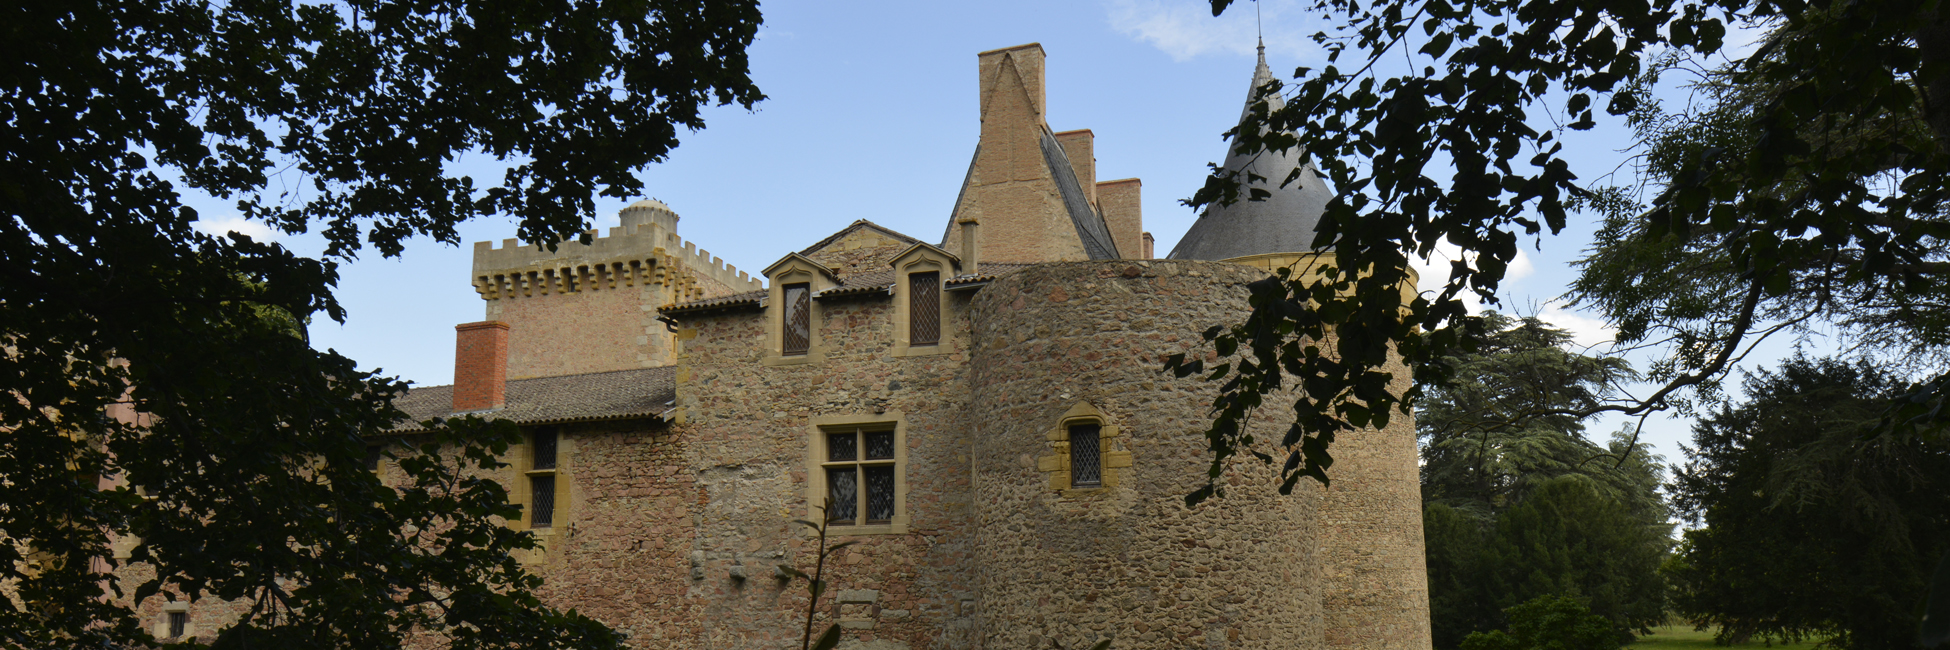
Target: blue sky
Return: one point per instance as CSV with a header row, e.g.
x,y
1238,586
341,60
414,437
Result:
x,y
872,115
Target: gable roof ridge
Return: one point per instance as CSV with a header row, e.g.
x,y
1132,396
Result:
x,y
854,227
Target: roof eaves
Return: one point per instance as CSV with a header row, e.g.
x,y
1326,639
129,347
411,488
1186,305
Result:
x,y
663,416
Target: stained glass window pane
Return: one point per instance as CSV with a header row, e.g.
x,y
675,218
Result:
x,y
880,493
880,445
844,489
840,446
1086,464
543,503
798,318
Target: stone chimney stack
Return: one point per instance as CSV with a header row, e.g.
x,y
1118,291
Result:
x,y
971,248
1123,208
480,366
1024,65
1080,147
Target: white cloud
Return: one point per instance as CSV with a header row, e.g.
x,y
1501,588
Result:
x,y
240,225
1185,29
1433,272
1585,331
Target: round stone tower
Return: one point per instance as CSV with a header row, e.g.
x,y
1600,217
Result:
x,y
1068,356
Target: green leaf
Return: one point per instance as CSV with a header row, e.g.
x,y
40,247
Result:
x,y
829,639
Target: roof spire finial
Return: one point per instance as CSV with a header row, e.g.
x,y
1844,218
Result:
x,y
1259,27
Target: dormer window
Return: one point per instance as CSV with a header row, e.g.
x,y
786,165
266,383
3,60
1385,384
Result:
x,y
797,336
924,308
921,312
793,317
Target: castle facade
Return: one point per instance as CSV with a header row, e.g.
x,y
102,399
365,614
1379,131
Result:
x,y
984,415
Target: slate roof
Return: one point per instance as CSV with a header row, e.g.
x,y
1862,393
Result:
x,y
1089,223
1281,223
591,397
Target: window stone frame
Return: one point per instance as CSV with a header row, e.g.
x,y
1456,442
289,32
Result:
x,y
815,435
794,269
923,258
521,462
1110,449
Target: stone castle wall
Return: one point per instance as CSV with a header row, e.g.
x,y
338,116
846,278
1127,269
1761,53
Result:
x,y
1371,539
753,422
1128,560
593,307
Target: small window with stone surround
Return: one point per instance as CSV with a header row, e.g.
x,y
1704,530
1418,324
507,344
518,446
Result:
x,y
1084,455
175,623
541,477
793,314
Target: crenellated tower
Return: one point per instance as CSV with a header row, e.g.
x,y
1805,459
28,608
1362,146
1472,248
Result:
x,y
593,307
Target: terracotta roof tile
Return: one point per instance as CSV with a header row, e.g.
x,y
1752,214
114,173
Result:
x,y
746,299
618,395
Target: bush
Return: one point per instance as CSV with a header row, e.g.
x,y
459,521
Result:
x,y
1549,623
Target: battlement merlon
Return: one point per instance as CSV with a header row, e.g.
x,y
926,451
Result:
x,y
645,248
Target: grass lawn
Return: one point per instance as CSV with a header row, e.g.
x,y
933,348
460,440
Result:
x,y
1683,637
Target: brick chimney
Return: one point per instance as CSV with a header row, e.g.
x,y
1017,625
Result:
x,y
480,366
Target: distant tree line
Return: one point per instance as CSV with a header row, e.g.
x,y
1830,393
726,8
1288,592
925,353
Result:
x,y
1807,522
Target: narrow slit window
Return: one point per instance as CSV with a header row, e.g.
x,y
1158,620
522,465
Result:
x,y
797,332
544,448
179,622
372,457
924,308
1086,459
543,500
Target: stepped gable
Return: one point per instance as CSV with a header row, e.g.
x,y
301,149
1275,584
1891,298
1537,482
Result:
x,y
619,395
1281,223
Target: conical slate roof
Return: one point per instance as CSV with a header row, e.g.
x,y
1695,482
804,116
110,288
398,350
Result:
x,y
1281,223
